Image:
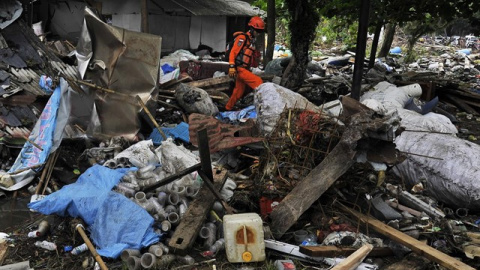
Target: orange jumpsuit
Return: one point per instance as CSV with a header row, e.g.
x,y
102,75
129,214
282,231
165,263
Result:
x,y
241,56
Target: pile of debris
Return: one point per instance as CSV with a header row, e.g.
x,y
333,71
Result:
x,y
123,173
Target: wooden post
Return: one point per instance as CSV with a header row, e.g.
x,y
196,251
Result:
x,y
144,16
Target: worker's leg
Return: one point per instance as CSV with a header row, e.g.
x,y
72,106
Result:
x,y
244,76
249,78
237,93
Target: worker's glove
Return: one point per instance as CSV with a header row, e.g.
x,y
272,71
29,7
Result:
x,y
232,72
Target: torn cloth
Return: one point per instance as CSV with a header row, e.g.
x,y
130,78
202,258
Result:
x,y
115,222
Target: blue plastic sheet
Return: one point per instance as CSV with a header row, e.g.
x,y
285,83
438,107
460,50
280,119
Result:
x,y
115,222
248,112
166,68
179,132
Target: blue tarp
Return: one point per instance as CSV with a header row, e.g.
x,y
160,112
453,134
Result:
x,y
178,132
248,112
115,222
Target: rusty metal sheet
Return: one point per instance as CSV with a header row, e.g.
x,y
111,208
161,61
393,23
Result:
x,y
220,135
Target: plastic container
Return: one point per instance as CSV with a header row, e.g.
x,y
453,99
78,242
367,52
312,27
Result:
x,y
244,238
46,245
80,249
284,265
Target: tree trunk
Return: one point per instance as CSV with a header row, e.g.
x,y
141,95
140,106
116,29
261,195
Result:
x,y
270,32
388,39
376,38
302,28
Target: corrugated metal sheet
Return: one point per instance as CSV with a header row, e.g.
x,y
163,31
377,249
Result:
x,y
220,135
217,7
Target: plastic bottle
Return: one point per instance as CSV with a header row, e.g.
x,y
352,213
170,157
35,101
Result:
x,y
79,249
46,245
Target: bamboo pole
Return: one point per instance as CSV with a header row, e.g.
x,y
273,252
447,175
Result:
x,y
90,246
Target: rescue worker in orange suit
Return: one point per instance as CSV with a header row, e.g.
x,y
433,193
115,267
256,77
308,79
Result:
x,y
240,60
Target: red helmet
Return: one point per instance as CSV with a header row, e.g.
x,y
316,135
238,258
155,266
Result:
x,y
257,23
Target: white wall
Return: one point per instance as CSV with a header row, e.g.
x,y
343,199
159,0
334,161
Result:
x,y
208,30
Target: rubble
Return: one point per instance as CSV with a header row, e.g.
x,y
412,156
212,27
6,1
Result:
x,y
142,168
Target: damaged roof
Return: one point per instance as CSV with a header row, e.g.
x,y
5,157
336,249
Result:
x,y
218,7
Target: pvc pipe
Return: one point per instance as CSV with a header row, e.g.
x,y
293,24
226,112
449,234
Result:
x,y
133,186
182,209
190,191
164,261
218,208
134,263
126,253
179,190
146,172
162,215
148,260
163,247
141,199
162,198
208,232
111,163
135,162
170,208
155,250
217,246
128,192
122,160
119,165
166,225
186,260
173,199
130,177
174,218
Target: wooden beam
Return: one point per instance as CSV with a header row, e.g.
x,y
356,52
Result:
x,y
210,82
334,251
186,232
352,261
408,241
311,188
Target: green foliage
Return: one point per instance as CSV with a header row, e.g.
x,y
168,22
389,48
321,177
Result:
x,y
336,29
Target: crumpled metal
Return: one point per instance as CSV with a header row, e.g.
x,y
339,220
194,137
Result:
x,y
125,61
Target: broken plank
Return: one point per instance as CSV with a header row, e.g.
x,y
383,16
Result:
x,y
334,251
352,261
311,188
186,232
205,83
408,241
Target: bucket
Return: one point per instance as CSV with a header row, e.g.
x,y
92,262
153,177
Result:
x,y
244,238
